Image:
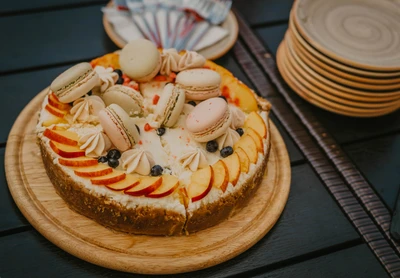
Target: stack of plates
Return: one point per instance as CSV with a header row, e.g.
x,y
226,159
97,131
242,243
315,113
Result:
x,y
344,55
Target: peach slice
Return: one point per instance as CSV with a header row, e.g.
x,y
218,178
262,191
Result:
x,y
257,139
53,101
53,121
78,162
255,121
113,177
62,136
221,175
183,196
232,162
168,186
55,111
93,171
66,150
244,160
129,182
200,183
246,142
146,186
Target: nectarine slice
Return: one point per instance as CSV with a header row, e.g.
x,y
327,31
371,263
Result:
x,y
200,183
255,121
78,162
129,182
62,136
53,101
146,186
53,121
113,177
221,175
244,160
257,139
232,162
55,111
246,142
93,171
168,186
66,150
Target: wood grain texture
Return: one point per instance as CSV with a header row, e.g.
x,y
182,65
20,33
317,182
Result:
x,y
356,262
379,161
80,236
76,35
211,52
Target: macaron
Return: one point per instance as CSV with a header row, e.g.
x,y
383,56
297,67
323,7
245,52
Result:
x,y
119,127
140,60
209,120
75,82
170,105
199,84
127,98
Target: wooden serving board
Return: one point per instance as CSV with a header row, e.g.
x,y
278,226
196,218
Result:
x,y
36,197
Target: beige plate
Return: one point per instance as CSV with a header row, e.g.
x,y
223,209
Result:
x,y
360,33
211,53
346,82
317,100
333,89
327,62
37,199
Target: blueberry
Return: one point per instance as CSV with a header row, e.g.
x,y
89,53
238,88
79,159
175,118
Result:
x,y
224,98
240,131
227,151
138,129
160,131
113,154
89,93
112,162
192,103
102,159
120,80
156,170
212,146
119,72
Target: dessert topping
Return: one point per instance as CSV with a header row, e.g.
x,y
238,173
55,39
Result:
x,y
86,109
137,161
227,151
212,146
107,78
194,159
156,170
238,117
169,61
190,60
229,138
95,144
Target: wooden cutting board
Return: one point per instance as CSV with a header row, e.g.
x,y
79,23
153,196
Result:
x,y
48,213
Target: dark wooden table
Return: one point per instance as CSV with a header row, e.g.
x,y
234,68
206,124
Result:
x,y
320,233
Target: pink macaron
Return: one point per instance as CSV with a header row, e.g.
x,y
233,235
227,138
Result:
x,y
209,120
75,82
199,84
119,127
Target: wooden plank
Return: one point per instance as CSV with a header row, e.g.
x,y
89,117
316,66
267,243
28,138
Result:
x,y
55,37
304,227
10,216
354,262
13,7
20,89
379,162
264,12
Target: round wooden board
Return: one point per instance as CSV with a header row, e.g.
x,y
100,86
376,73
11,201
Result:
x,y
37,199
211,52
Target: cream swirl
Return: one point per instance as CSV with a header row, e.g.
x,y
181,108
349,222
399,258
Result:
x,y
169,61
86,109
229,138
194,159
190,60
95,144
238,117
137,161
107,78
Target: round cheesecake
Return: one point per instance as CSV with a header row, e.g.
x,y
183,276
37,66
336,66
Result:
x,y
182,173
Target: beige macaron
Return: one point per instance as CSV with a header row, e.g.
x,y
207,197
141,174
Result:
x,y
199,84
75,82
140,60
127,98
170,105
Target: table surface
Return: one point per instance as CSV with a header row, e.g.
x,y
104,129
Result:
x,y
313,237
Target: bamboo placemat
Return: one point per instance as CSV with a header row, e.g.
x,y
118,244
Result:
x,y
356,197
